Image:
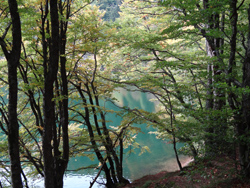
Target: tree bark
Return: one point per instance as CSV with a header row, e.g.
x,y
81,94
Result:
x,y
243,128
216,123
50,75
62,161
13,58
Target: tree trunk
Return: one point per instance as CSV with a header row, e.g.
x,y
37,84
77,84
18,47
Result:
x,y
217,124
49,106
243,128
110,183
62,161
209,107
13,127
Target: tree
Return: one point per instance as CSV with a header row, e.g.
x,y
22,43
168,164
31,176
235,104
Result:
x,y
12,53
48,62
151,62
192,57
243,127
51,82
218,28
214,27
91,91
44,42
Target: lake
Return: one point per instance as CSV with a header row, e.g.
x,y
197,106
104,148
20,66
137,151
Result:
x,y
160,158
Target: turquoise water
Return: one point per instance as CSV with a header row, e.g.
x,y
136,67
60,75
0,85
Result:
x,y
161,156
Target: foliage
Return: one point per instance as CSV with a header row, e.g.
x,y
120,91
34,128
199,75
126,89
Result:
x,y
87,37
156,64
192,57
188,57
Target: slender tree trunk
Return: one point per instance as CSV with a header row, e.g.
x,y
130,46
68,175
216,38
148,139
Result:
x,y
209,107
110,183
49,171
62,161
117,168
13,127
176,152
216,122
172,119
243,129
220,120
231,74
49,106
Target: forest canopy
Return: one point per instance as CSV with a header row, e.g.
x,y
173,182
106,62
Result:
x,y
62,61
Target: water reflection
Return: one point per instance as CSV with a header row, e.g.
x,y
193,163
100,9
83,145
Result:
x,y
161,157
73,181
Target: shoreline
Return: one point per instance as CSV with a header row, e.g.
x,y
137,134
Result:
x,y
187,162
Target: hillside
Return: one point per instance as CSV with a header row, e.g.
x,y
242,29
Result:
x,y
219,172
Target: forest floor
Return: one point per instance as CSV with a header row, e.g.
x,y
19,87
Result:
x,y
220,172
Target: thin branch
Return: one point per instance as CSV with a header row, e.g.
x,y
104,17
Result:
x,y
78,10
95,68
240,5
113,145
6,30
4,48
